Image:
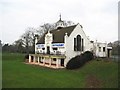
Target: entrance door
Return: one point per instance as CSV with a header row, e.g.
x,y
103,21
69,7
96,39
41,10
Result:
x,y
108,53
48,50
62,62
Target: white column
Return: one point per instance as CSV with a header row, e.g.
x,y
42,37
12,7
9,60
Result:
x,y
44,61
59,62
36,40
65,40
29,58
34,59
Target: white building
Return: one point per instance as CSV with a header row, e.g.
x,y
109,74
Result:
x,y
70,42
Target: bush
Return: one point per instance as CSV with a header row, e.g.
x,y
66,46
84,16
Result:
x,y
88,55
73,63
27,56
79,61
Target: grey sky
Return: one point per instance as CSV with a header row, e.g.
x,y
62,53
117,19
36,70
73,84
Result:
x,y
98,17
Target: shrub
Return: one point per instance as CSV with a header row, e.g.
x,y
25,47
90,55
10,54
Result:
x,y
80,60
27,56
75,62
88,55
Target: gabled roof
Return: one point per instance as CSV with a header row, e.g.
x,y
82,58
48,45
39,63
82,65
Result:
x,y
58,34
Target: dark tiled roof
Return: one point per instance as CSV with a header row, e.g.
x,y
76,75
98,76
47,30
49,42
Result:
x,y
58,34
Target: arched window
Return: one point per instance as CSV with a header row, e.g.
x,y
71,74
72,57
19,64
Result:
x,y
82,44
75,44
78,43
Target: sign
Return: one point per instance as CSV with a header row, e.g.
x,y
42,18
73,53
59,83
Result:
x,y
53,45
40,46
58,45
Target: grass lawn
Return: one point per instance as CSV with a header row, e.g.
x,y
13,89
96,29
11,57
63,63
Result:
x,y
16,74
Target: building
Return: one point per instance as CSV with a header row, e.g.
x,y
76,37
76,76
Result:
x,y
64,43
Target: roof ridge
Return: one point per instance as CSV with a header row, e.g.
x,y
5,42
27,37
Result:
x,y
64,27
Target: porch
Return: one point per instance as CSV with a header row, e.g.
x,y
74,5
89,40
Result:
x,y
52,61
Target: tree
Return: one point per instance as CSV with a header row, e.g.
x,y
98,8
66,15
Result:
x,y
68,23
19,45
0,45
47,26
6,48
44,28
28,39
115,47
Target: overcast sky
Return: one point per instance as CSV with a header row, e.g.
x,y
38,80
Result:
x,y
99,18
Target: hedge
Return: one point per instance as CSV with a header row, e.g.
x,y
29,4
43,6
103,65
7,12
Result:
x,y
80,60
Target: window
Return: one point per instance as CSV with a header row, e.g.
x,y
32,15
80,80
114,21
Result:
x,y
78,43
54,59
55,48
75,44
82,44
103,49
43,48
99,49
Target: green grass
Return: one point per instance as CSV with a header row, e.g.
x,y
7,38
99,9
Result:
x,y
17,74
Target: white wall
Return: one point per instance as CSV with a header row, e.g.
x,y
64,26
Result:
x,y
48,41
101,53
70,43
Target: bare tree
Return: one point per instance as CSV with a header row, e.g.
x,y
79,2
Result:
x,y
28,38
19,45
68,23
44,28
